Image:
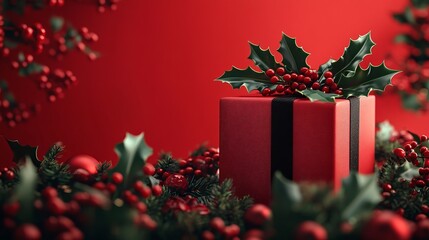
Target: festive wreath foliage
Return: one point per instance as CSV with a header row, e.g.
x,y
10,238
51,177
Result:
x,y
293,76
184,199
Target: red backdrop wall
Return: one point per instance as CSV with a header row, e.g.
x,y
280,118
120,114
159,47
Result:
x,y
159,59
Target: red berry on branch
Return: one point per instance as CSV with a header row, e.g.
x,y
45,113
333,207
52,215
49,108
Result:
x,y
315,86
328,74
274,79
149,169
413,155
325,89
231,231
287,77
27,232
329,81
294,75
302,87
270,72
300,78
257,215
117,178
266,92
307,80
413,144
399,152
177,181
314,76
217,224
141,207
281,71
9,175
49,193
310,230
420,183
280,88
157,190
407,147
303,70
333,87
387,187
423,138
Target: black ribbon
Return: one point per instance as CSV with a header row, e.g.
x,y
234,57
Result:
x,y
282,135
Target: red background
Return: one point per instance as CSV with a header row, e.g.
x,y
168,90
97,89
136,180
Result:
x,y
160,59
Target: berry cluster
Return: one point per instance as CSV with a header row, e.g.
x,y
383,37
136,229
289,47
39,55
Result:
x,y
56,3
54,83
7,175
414,152
12,113
402,137
69,38
4,50
34,35
186,204
288,83
110,4
201,165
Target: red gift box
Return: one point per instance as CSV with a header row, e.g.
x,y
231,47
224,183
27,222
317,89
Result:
x,y
306,141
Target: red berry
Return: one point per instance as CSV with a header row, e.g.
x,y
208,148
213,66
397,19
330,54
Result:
x,y
325,89
420,217
422,230
420,183
280,88
27,232
307,80
270,72
339,92
49,193
231,231
328,74
207,235
311,230
399,152
287,77
386,225
147,222
156,190
9,175
266,92
314,76
11,209
99,185
111,188
145,192
407,147
141,207
423,149
423,138
56,206
149,169
413,144
315,86
294,75
413,155
387,187
329,81
333,87
303,70
117,178
288,91
294,85
425,208
257,215
302,87
274,79
217,224
300,78
281,71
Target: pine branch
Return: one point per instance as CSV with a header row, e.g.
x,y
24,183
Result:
x,y
167,163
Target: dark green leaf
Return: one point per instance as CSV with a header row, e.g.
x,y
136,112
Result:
x,y
359,195
385,131
24,192
294,57
316,95
366,80
32,68
415,137
262,58
325,67
420,3
410,101
21,152
57,23
249,78
405,38
132,152
285,191
352,56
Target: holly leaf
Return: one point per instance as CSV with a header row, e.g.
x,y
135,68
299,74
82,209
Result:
x,y
294,57
415,137
316,95
359,194
352,56
410,101
21,152
132,152
262,58
24,191
385,131
420,3
57,23
325,67
285,191
406,17
366,80
249,78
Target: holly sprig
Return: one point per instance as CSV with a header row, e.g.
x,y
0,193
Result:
x,y
342,78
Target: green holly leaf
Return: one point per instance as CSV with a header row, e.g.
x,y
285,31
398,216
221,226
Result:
x,y
133,153
352,56
285,191
359,195
385,131
366,80
294,57
262,58
410,101
325,67
415,137
57,23
249,78
21,152
406,17
420,3
316,95
24,192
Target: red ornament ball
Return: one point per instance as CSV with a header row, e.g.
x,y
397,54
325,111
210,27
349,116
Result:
x,y
310,230
257,215
386,225
27,232
84,162
177,181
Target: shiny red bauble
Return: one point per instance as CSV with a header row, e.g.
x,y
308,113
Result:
x,y
85,162
257,215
